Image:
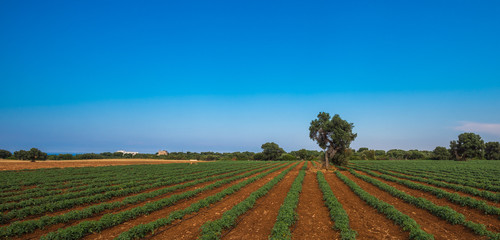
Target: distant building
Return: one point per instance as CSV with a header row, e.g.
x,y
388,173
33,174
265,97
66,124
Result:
x,y
162,153
124,152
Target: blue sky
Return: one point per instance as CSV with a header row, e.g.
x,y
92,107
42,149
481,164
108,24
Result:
x,y
98,76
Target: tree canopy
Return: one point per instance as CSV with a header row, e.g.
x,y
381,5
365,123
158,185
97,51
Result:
x,y
469,145
271,151
334,135
492,151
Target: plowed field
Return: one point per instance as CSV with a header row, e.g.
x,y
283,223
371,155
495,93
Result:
x,y
252,200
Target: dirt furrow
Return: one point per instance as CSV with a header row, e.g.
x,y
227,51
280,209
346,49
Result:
x,y
428,222
117,230
314,220
491,221
189,228
262,217
492,203
55,227
366,220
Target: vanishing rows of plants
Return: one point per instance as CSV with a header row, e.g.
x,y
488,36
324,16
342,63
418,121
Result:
x,y
478,179
122,190
452,197
461,188
287,214
337,212
443,212
406,167
28,226
214,229
407,223
113,219
106,190
63,179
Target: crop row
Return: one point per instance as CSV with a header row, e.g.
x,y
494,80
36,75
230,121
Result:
x,y
443,212
110,220
470,178
107,191
113,219
82,186
465,189
287,214
120,173
453,197
113,192
213,229
19,228
467,180
403,220
47,177
337,212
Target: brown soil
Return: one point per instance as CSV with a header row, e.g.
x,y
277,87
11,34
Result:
x,y
115,231
20,165
189,228
52,228
491,221
428,222
261,218
115,199
492,203
314,220
363,218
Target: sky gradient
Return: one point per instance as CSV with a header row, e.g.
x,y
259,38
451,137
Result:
x,y
97,76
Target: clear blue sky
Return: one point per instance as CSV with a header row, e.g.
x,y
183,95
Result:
x,y
94,76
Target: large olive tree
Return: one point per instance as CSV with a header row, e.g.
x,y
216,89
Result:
x,y
469,145
334,135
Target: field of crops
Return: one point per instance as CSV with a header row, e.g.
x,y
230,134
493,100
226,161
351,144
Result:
x,y
254,200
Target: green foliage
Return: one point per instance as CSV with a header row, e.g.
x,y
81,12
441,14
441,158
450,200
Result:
x,y
142,230
396,154
184,174
360,150
271,151
492,151
334,135
468,146
441,153
337,212
443,212
453,197
287,157
287,214
213,229
406,222
4,154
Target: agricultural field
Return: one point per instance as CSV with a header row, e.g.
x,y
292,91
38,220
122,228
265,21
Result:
x,y
254,200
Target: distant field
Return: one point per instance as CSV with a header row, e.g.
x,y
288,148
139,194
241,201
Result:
x,y
254,200
19,165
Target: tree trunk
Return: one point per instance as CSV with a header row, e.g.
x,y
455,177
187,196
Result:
x,y
326,164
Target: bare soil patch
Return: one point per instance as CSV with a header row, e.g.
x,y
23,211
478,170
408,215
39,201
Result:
x,y
21,165
262,216
313,222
